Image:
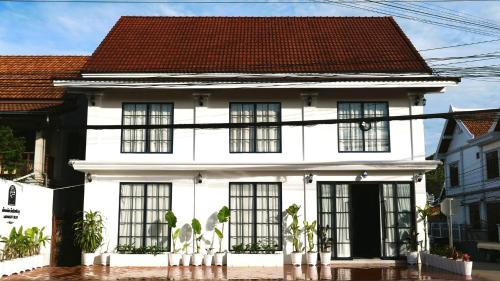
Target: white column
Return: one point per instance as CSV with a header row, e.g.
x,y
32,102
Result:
x,y
39,157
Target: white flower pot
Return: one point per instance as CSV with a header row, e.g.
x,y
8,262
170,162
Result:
x,y
456,266
219,258
197,259
312,258
174,259
296,258
412,258
186,259
88,258
325,258
207,259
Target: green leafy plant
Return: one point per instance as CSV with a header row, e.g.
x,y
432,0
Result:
x,y
222,217
196,225
255,248
171,220
21,243
185,247
130,249
424,214
411,241
325,243
11,150
310,229
88,231
294,228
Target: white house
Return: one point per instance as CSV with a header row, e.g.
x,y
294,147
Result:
x,y
152,71
469,150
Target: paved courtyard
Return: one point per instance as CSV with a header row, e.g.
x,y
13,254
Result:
x,y
337,272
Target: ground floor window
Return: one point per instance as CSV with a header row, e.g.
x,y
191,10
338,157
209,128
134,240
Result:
x,y
142,215
255,215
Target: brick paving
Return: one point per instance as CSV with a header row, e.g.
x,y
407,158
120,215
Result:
x,y
334,272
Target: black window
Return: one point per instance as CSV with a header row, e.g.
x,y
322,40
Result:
x,y
363,137
453,174
255,214
147,140
492,165
142,215
255,138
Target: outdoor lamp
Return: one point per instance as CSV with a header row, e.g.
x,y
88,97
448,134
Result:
x,y
364,174
309,178
199,178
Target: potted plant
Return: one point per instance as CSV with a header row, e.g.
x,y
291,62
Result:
x,y
222,217
312,256
186,258
171,219
88,235
412,247
197,256
325,244
295,231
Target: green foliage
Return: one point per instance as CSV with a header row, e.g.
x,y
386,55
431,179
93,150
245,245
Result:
x,y
424,214
255,248
294,229
196,225
130,249
411,241
434,181
11,150
21,243
175,236
325,243
223,217
171,219
185,247
310,229
88,231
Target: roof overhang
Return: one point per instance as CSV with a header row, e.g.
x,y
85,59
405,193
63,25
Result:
x,y
415,166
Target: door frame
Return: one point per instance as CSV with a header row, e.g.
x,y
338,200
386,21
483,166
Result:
x,y
382,219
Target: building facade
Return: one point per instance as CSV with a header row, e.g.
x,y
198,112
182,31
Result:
x,y
211,76
469,150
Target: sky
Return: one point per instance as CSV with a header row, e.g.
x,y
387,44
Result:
x,y
78,28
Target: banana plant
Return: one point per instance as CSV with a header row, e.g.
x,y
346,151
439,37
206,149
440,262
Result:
x,y
294,228
171,220
222,217
196,225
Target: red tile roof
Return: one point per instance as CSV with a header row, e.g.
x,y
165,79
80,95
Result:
x,y
30,78
256,45
478,127
26,106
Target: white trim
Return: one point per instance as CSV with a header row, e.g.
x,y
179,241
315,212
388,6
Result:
x,y
239,85
90,166
251,75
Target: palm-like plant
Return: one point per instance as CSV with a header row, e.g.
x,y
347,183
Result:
x,y
310,229
222,217
88,231
294,229
424,214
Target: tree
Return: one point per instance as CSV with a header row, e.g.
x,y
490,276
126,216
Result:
x,y
434,180
11,150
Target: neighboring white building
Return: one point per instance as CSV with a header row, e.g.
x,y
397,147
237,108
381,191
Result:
x,y
197,70
470,151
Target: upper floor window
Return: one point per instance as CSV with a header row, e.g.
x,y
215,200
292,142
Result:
x,y
492,170
368,137
453,174
255,214
142,215
255,138
147,140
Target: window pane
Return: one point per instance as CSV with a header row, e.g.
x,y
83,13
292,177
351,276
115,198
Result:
x,y
454,175
252,138
255,213
492,170
142,209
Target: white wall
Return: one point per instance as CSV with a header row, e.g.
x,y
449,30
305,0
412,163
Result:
x,y
35,205
203,200
212,145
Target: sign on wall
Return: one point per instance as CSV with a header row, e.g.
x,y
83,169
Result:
x,y
10,208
